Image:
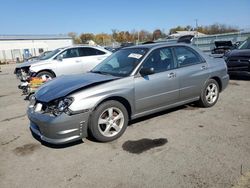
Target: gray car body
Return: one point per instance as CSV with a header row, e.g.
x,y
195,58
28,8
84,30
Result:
x,y
141,95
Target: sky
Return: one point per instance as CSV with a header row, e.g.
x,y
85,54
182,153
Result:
x,y
83,16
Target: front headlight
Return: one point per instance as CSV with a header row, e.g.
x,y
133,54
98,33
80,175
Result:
x,y
32,100
62,105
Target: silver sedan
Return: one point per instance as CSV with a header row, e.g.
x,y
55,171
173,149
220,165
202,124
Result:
x,y
131,83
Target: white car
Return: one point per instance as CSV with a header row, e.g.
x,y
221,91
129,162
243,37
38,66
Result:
x,y
63,61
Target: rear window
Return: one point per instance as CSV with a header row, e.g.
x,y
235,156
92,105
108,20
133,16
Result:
x,y
90,51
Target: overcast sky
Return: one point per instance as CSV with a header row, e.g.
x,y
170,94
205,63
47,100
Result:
x,y
63,16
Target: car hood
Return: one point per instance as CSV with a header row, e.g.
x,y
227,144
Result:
x,y
64,85
223,44
243,52
29,63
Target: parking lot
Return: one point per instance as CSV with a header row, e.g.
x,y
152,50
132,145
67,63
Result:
x,y
182,147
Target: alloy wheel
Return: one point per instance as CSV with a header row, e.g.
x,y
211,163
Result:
x,y
110,122
211,93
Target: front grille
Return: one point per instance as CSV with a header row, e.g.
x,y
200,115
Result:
x,y
238,59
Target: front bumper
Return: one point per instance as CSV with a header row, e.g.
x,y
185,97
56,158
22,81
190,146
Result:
x,y
60,129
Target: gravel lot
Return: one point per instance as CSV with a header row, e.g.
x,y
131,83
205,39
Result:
x,y
183,147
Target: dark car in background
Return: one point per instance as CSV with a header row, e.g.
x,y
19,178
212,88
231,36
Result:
x,y
238,60
221,47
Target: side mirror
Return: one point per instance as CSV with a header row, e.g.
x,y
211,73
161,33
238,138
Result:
x,y
147,71
59,58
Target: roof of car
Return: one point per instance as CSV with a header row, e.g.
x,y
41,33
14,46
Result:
x,y
158,44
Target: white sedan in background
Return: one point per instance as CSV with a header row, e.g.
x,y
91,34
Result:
x,y
63,61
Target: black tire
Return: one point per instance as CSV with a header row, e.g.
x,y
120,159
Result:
x,y
204,100
47,74
97,130
31,96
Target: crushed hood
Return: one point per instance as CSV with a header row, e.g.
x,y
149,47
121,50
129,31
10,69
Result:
x,y
64,85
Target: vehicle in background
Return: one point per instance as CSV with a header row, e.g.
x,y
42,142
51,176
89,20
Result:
x,y
238,60
62,61
131,83
221,47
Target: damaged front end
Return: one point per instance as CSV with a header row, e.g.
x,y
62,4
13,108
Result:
x,y
29,83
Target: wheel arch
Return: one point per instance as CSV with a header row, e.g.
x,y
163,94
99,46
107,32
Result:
x,y
218,80
47,70
120,99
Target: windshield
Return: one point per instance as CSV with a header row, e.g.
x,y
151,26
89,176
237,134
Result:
x,y
245,44
121,63
50,54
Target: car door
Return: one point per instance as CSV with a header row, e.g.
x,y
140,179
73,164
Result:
x,y
90,57
159,89
68,62
193,71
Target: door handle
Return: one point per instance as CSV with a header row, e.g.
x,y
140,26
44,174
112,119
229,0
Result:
x,y
78,61
204,67
171,75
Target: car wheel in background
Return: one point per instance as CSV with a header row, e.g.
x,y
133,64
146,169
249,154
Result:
x,y
45,75
109,121
209,94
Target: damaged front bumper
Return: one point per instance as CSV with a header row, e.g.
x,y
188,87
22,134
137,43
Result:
x,y
60,129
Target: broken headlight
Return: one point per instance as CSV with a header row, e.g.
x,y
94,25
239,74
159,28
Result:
x,y
62,105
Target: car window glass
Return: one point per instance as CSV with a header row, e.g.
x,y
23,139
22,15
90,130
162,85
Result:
x,y
160,59
122,62
186,56
70,53
86,51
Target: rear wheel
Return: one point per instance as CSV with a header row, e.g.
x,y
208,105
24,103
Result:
x,y
45,75
108,121
209,94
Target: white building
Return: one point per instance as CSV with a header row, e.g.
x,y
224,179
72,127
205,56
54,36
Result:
x,y
13,47
183,33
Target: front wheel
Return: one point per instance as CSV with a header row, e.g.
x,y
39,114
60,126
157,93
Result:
x,y
45,75
109,121
209,94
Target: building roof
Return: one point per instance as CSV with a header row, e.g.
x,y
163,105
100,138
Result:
x,y
182,33
34,37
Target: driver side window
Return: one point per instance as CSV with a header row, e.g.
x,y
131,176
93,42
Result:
x,y
70,53
160,60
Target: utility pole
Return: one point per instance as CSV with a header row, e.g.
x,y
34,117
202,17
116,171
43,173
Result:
x,y
196,25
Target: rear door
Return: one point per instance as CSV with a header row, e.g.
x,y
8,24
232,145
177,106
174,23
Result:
x,y
90,57
193,71
161,88
68,63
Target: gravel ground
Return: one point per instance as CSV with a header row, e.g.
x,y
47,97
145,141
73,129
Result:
x,y
183,147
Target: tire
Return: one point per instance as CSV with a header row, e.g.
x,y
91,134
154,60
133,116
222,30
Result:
x,y
45,75
209,94
103,127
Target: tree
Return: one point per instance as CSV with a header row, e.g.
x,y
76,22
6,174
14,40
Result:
x,y
157,34
103,39
76,39
86,37
209,30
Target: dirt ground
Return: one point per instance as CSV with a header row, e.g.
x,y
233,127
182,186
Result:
x,y
183,147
